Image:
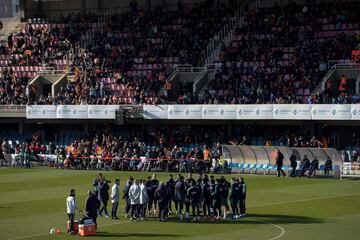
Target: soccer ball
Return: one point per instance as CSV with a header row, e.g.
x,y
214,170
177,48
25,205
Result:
x,y
52,231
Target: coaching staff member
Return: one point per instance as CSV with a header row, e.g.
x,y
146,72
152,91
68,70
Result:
x,y
92,205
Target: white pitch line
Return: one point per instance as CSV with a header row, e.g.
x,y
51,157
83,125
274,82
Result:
x,y
259,205
279,227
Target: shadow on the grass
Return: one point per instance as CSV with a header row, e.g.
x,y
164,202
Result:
x,y
283,219
258,219
139,235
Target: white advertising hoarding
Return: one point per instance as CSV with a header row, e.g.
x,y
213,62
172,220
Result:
x,y
219,111
41,111
292,111
102,111
355,111
72,111
230,112
155,112
331,112
254,111
184,111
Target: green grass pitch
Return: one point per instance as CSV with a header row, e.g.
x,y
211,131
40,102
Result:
x,y
32,201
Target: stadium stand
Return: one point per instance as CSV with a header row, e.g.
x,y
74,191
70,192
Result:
x,y
279,55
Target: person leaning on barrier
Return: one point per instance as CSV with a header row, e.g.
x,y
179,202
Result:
x,y
304,166
314,165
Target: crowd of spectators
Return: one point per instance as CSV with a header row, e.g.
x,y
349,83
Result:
x,y
37,45
157,39
281,50
129,149
278,52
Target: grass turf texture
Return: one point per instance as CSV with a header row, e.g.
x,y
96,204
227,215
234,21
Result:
x,y
32,201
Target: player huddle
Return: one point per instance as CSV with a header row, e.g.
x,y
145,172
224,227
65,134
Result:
x,y
206,196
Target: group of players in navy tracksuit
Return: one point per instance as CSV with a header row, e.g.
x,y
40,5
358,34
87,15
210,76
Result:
x,y
209,195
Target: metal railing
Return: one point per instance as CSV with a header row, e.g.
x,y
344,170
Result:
x,y
334,65
343,63
8,25
226,35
